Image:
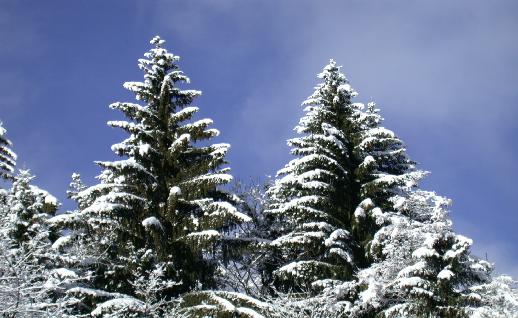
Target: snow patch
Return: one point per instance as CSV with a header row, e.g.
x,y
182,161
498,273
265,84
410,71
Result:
x,y
152,222
445,274
175,191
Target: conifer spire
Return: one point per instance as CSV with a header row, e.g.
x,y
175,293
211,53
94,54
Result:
x,y
315,193
160,205
7,156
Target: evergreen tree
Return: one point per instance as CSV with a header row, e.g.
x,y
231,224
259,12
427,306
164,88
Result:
x,y
499,298
315,196
423,268
29,209
25,256
354,177
385,173
394,219
437,283
7,156
77,254
160,206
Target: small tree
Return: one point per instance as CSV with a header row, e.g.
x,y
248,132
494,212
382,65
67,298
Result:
x,y
499,298
7,156
427,269
29,209
25,255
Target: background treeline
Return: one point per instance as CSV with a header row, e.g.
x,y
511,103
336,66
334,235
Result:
x,y
343,230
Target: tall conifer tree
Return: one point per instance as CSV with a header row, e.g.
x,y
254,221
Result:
x,y
316,193
160,206
344,197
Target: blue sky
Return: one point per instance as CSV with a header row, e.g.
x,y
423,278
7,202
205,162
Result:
x,y
444,74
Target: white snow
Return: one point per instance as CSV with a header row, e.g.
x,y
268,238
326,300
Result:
x,y
175,191
410,281
64,273
200,124
208,234
91,292
424,252
229,209
47,197
359,212
368,161
217,178
118,304
143,149
184,113
62,241
247,312
151,222
299,238
227,305
50,199
180,142
445,274
220,149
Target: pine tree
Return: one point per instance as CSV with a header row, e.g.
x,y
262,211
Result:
x,y
385,173
7,156
499,298
354,177
394,218
25,254
439,279
29,209
161,204
76,253
315,196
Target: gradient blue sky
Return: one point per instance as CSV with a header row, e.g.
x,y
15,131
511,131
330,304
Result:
x,y
444,73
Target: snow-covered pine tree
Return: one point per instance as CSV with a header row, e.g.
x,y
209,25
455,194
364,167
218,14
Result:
x,y
29,209
385,173
499,298
394,218
22,279
410,279
386,220
26,258
438,281
76,253
160,206
73,226
316,194
7,156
